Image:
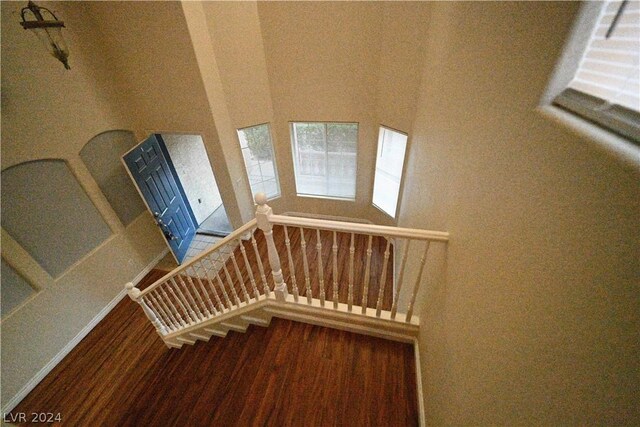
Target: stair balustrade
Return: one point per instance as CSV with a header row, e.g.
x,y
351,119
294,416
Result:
x,y
347,263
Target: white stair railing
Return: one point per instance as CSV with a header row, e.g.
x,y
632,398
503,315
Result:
x,y
389,237
345,257
204,288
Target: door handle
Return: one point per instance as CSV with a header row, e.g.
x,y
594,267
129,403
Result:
x,y
169,235
165,229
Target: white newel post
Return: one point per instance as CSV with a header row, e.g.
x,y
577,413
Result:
x,y
263,212
134,294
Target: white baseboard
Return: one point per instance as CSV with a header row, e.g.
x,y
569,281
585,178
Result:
x,y
416,350
150,266
33,382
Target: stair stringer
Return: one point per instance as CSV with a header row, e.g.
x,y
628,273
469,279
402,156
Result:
x,y
343,319
260,312
237,319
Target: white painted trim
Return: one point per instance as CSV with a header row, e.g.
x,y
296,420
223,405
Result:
x,y
33,382
23,263
256,321
606,141
420,393
354,227
369,324
94,193
315,314
325,320
85,257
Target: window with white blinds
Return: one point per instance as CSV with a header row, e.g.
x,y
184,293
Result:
x,y
606,86
325,159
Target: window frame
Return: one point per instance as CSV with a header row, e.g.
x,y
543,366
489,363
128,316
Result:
x,y
275,163
402,175
616,121
294,144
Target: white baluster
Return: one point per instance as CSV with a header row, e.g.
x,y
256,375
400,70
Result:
x,y
403,263
305,263
383,279
212,285
224,290
209,308
240,278
256,294
320,267
230,282
174,320
335,271
352,251
164,327
134,294
173,307
263,277
417,284
163,314
292,269
182,301
191,302
367,274
263,212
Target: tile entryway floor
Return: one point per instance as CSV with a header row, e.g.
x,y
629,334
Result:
x,y
199,244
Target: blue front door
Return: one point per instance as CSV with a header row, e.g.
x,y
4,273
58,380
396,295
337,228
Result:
x,y
151,170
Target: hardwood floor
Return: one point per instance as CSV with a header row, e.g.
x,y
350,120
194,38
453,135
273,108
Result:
x,y
289,374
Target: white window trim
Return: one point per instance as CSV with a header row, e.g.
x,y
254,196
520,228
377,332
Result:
x,y
613,144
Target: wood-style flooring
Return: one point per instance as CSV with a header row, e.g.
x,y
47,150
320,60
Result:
x,y
289,374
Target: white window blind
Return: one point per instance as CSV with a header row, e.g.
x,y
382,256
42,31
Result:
x,y
389,166
606,86
325,159
259,161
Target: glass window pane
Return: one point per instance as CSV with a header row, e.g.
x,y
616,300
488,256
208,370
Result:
x,y
259,161
325,156
389,166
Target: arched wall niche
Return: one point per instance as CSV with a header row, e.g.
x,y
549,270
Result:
x,y
47,212
101,155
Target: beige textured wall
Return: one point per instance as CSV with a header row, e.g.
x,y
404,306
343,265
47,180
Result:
x,y
154,67
534,319
236,36
50,112
280,62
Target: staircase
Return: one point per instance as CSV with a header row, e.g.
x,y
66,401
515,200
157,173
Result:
x,y
329,273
